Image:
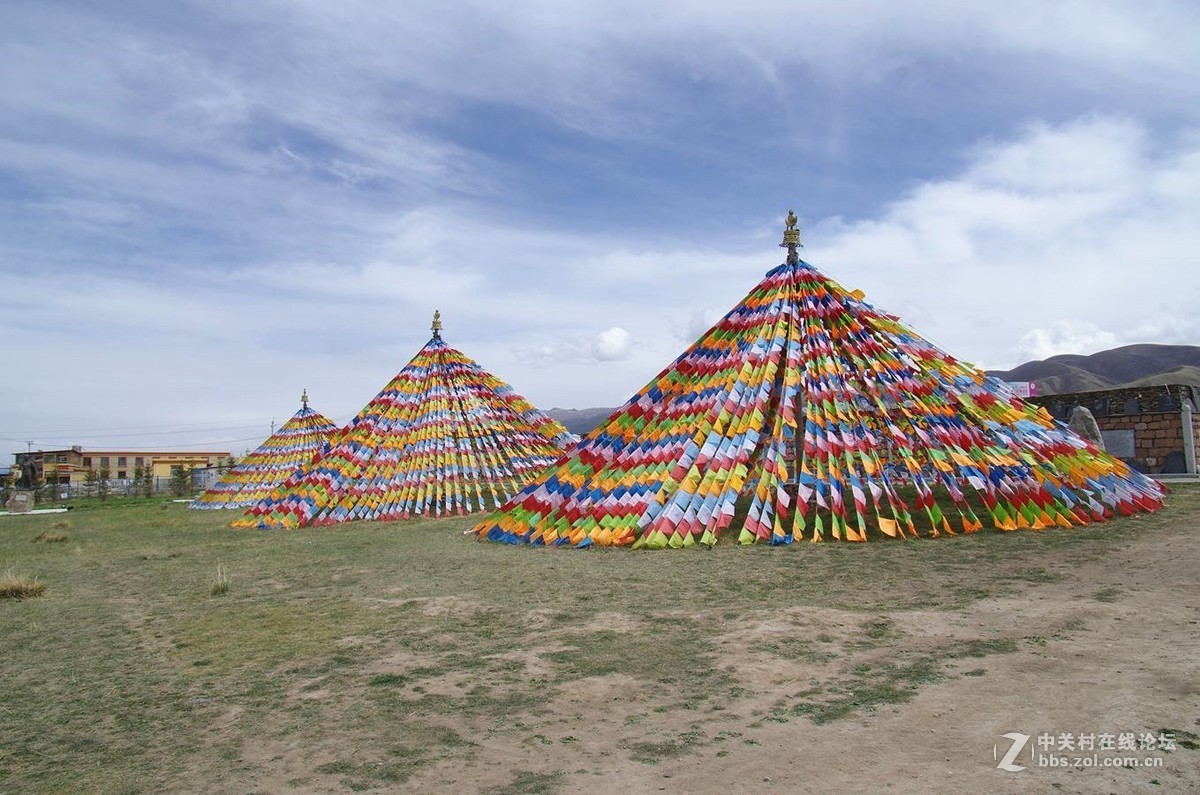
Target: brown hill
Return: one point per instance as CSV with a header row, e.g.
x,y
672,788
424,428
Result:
x,y
1185,374
1124,366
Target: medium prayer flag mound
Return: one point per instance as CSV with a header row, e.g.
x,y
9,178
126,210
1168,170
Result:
x,y
443,437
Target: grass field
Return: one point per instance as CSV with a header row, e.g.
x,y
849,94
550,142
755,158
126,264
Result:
x,y
170,653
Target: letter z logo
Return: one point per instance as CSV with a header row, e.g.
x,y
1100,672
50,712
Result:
x,y
1018,745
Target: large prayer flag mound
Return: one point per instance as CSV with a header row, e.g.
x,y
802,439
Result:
x,y
831,420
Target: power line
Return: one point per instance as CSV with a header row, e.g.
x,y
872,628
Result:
x,y
126,434
181,428
217,443
61,431
182,445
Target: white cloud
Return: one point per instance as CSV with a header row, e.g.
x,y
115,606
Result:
x,y
593,65
995,264
1065,336
1031,250
613,345
700,320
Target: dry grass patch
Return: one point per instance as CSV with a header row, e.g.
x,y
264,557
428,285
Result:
x,y
54,537
20,586
221,582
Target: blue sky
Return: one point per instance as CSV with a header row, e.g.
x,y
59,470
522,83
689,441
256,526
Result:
x,y
206,207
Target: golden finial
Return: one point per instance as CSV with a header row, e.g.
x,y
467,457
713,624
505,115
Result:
x,y
791,238
437,324
304,397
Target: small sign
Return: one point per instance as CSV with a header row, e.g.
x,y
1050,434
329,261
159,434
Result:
x,y
1119,443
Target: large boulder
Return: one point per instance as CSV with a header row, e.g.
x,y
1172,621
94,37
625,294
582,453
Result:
x,y
19,502
1084,424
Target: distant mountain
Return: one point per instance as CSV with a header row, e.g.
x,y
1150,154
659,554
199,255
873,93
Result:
x,y
1131,365
1185,374
581,421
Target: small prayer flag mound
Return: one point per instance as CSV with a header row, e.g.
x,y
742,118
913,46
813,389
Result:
x,y
300,439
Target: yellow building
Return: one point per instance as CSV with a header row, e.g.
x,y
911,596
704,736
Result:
x,y
70,466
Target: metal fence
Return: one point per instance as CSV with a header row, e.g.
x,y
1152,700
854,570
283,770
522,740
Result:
x,y
116,487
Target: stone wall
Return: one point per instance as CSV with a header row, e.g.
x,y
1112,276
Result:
x,y
1143,426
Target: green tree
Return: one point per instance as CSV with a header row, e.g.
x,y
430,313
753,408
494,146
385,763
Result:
x,y
10,485
181,480
148,481
103,486
138,473
90,483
